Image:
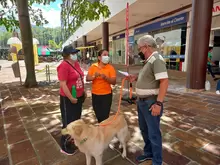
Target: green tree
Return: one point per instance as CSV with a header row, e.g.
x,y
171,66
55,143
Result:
x,y
9,13
81,10
78,11
54,45
27,42
46,34
4,36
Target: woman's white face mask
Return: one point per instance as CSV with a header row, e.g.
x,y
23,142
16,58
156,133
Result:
x,y
73,57
105,59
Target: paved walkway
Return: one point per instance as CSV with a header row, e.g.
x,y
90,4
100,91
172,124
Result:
x,y
30,129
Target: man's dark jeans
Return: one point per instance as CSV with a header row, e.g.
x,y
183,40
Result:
x,y
218,86
210,71
150,129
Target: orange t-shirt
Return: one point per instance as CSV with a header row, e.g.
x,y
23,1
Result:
x,y
99,85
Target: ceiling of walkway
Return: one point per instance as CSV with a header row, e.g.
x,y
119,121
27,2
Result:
x,y
139,12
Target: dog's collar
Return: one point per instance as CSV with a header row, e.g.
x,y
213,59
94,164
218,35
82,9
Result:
x,y
83,140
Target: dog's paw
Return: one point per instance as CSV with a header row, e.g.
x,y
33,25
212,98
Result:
x,y
111,146
120,146
124,155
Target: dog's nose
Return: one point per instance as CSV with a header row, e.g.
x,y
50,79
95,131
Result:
x,y
69,139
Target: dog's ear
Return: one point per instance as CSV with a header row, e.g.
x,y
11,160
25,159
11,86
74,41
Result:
x,y
78,129
80,121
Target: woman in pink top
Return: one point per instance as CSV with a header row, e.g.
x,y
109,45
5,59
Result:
x,y
69,75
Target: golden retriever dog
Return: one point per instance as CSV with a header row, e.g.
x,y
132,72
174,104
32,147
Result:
x,y
93,140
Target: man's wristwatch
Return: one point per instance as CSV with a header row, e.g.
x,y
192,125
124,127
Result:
x,y
159,103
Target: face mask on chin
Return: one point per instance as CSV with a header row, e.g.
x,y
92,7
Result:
x,y
142,56
73,57
105,59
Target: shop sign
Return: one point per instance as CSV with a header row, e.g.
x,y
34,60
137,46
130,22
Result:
x,y
118,36
216,9
172,21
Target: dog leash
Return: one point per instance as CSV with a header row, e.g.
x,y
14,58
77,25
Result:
x,y
119,103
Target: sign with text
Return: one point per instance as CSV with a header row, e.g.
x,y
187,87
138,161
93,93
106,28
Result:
x,y
172,21
120,36
216,9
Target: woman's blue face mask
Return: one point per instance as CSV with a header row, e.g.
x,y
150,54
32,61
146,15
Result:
x,y
73,57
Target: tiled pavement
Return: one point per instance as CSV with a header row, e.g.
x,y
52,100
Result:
x,y
30,129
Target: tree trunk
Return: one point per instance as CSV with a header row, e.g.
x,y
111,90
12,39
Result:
x,y
27,42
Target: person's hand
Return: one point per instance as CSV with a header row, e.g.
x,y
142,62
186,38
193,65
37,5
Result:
x,y
131,78
213,64
73,100
96,74
103,76
155,110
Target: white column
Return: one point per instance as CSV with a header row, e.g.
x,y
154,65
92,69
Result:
x,y
187,41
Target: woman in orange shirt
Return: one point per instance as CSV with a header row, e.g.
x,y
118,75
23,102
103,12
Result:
x,y
102,75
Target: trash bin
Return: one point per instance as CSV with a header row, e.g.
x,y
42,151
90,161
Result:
x,y
15,68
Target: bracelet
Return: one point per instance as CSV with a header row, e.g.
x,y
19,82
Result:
x,y
159,103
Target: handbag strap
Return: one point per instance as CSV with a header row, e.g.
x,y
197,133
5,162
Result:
x,y
77,71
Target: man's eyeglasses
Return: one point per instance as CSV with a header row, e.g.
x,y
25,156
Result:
x,y
139,49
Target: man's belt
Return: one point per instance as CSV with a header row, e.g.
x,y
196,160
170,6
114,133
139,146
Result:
x,y
150,97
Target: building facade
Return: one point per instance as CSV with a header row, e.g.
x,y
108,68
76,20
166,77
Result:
x,y
169,25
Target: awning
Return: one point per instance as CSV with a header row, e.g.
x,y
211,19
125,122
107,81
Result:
x,y
86,47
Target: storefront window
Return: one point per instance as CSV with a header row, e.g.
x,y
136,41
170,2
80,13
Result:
x,y
171,41
118,56
110,51
99,46
131,50
216,49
